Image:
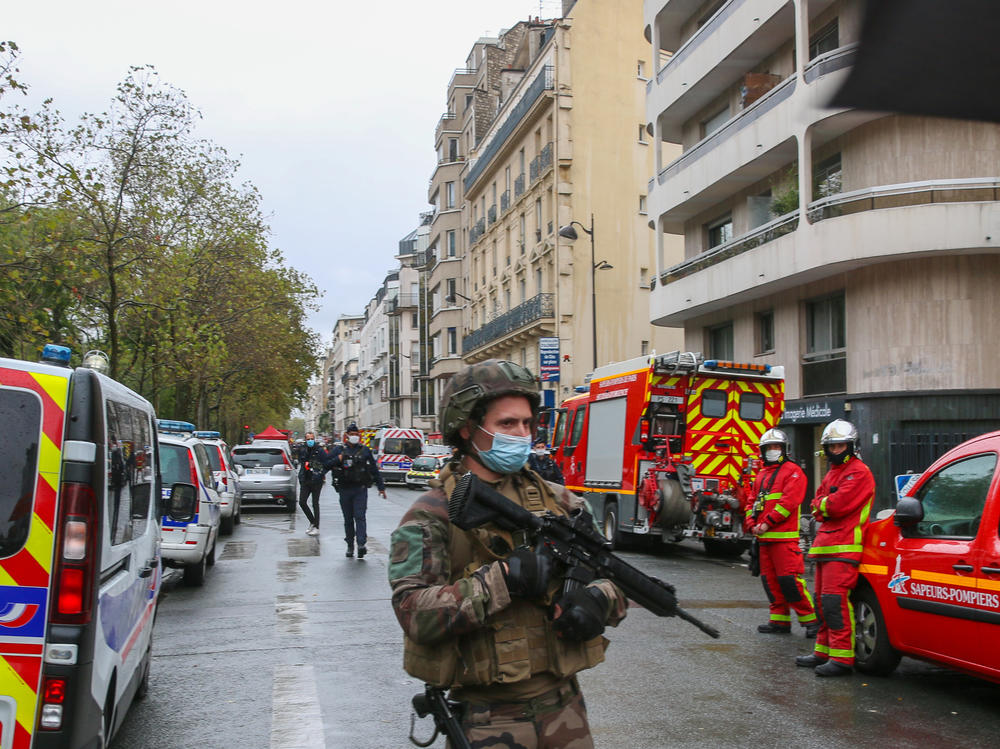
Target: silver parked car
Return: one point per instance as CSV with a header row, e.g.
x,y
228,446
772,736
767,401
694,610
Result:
x,y
268,475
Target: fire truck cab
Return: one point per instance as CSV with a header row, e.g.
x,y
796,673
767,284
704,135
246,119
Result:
x,y
666,445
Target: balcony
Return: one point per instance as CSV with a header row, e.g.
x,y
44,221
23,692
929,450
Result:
x,y
491,214
401,302
537,308
541,163
504,201
846,231
477,231
519,186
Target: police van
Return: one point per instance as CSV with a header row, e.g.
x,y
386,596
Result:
x,y
79,551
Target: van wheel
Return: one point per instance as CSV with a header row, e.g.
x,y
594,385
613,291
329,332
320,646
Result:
x,y
226,525
143,689
610,527
872,652
194,574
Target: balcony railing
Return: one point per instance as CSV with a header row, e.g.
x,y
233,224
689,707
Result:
x,y
477,231
519,186
830,62
905,194
703,33
543,81
504,201
737,246
491,214
537,308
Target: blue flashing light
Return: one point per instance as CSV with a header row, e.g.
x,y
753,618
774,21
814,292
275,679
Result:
x,y
710,363
767,369
54,354
208,435
170,426
582,388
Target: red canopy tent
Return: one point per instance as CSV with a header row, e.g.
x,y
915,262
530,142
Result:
x,y
270,434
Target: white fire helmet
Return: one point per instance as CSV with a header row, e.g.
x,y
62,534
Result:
x,y
774,437
839,431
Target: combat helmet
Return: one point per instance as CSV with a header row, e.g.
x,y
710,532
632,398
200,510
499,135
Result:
x,y
482,382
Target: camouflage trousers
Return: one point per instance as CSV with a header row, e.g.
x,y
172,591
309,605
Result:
x,y
557,720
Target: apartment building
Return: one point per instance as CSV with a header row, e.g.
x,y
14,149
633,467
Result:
x,y
373,358
342,372
858,249
545,128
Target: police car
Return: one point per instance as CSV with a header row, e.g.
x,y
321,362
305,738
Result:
x,y
929,583
79,551
227,479
423,469
189,534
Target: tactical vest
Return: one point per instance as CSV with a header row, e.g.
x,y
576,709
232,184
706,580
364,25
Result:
x,y
516,643
357,473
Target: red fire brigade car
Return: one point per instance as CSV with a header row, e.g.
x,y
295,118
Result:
x,y
930,572
667,445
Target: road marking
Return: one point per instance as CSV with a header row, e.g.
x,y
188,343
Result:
x,y
296,719
291,613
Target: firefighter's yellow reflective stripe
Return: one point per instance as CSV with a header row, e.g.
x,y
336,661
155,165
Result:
x,y
781,618
822,505
842,548
838,653
874,569
773,496
48,459
780,534
39,543
821,649
782,510
24,695
57,387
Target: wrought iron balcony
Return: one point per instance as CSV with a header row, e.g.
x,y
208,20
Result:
x,y
504,201
492,214
538,307
519,186
477,231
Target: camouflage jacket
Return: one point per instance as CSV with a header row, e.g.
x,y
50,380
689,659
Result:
x,y
430,605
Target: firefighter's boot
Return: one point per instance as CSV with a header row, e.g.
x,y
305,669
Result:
x,y
833,668
809,661
774,628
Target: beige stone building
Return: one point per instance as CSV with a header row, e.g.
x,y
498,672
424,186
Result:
x,y
858,249
545,127
342,372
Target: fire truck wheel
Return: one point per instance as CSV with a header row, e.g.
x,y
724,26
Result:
x,y
872,652
724,548
610,528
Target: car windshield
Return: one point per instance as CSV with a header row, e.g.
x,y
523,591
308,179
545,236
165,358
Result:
x,y
21,415
175,468
425,464
258,457
402,446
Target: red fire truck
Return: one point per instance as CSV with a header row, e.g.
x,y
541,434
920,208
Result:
x,y
667,445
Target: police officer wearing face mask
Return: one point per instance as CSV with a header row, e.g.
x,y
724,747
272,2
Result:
x,y
354,469
312,467
481,612
541,463
780,488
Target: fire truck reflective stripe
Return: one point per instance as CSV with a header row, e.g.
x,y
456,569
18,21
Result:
x,y
39,544
19,677
874,569
843,548
988,584
939,577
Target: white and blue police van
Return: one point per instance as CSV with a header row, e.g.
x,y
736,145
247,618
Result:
x,y
79,550
190,524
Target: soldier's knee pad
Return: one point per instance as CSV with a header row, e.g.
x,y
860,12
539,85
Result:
x,y
789,588
833,607
767,588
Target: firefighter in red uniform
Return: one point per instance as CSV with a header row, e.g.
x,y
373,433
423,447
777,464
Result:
x,y
842,505
780,488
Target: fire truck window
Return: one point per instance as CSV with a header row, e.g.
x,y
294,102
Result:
x,y
751,406
577,428
713,403
560,429
21,416
954,497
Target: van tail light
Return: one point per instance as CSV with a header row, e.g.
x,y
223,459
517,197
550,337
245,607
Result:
x,y
53,696
76,556
195,481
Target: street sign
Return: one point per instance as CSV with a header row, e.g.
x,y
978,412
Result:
x,y
548,359
905,482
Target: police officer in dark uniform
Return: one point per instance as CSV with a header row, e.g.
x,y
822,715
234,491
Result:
x,y
312,466
354,470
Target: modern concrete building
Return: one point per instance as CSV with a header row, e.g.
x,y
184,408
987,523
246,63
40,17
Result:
x,y
857,249
545,128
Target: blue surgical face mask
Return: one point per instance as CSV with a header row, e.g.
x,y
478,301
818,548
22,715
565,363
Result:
x,y
310,443
508,454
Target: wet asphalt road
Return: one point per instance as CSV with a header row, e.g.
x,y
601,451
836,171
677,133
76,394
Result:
x,y
290,645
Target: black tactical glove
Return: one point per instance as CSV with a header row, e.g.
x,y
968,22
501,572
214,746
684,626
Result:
x,y
582,614
527,572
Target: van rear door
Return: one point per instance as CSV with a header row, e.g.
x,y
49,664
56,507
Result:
x,y
32,412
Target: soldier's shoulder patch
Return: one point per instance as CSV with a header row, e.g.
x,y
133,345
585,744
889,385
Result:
x,y
406,552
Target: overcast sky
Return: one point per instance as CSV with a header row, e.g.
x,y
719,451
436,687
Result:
x,y
330,107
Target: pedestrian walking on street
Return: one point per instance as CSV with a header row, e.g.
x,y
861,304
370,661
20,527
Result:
x,y
842,505
354,469
780,488
312,460
541,463
456,592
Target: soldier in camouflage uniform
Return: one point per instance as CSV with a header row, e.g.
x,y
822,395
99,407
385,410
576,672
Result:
x,y
482,614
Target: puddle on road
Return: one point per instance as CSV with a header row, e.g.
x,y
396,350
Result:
x,y
303,547
291,612
289,572
239,550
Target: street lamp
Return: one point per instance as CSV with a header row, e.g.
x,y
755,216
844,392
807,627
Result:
x,y
568,232
450,299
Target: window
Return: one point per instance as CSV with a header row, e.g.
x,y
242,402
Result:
x,y
765,332
506,179
557,438
506,297
450,242
449,194
720,231
827,177
642,205
644,348
539,288
824,40
452,340
644,278
538,219
751,406
468,101
523,287
130,471
824,365
21,416
713,403
449,295
714,122
759,209
577,429
414,320
522,227
642,133
720,341
640,69
954,497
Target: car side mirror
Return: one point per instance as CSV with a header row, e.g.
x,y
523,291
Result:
x,y
909,512
239,470
182,502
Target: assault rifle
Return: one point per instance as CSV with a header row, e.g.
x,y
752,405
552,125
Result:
x,y
572,540
446,717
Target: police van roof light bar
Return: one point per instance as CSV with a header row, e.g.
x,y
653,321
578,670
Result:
x,y
171,426
55,354
210,434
